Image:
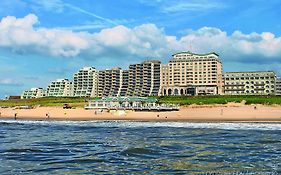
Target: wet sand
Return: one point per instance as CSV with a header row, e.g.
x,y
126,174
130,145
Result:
x,y
195,113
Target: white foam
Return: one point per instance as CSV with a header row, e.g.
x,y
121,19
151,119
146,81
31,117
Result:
x,y
137,124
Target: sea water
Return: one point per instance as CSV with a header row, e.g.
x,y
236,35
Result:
x,y
126,147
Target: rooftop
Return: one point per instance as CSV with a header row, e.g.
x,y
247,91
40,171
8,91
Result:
x,y
191,53
130,99
87,68
270,71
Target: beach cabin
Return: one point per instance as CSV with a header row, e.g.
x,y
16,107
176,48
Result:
x,y
122,102
130,103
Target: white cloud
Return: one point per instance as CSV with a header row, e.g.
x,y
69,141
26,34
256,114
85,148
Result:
x,y
144,41
48,5
178,6
9,82
20,36
181,6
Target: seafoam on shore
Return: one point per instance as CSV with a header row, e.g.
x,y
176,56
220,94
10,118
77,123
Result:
x,y
153,124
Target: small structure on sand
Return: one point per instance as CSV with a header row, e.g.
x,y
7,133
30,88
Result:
x,y
130,103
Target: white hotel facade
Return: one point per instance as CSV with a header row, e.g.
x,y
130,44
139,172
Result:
x,y
36,92
85,82
192,74
278,86
60,88
250,83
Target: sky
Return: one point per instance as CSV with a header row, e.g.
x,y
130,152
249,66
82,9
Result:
x,y
45,40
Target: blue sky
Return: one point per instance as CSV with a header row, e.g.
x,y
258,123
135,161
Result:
x,y
41,41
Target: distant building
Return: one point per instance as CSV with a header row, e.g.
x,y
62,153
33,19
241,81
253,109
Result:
x,y
60,88
110,82
85,82
250,83
192,74
33,93
143,79
140,80
278,86
14,97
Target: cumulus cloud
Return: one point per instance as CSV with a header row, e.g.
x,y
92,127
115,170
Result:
x,y
20,35
147,40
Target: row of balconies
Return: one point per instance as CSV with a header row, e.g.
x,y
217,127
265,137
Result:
x,y
248,78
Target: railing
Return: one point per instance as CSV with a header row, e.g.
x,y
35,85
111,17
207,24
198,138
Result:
x,y
137,108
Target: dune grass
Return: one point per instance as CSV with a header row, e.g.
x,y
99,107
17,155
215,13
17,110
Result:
x,y
46,101
187,100
182,100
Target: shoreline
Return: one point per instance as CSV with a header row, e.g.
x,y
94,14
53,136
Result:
x,y
232,112
138,120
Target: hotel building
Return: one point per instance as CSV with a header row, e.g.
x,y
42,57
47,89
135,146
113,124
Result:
x,y
144,79
278,86
250,83
110,82
85,82
33,93
60,88
192,74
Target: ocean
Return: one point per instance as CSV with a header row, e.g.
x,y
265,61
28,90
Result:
x,y
127,147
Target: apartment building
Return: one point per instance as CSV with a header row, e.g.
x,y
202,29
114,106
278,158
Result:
x,y
124,83
85,82
192,74
144,79
33,93
250,83
60,88
278,86
110,82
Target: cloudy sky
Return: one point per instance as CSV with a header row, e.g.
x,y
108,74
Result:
x,y
43,40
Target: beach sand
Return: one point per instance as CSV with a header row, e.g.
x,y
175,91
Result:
x,y
197,113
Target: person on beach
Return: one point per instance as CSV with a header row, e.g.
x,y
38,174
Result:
x,y
16,116
48,115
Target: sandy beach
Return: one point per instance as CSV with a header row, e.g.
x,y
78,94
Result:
x,y
199,113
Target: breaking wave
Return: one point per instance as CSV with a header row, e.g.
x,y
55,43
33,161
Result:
x,y
152,124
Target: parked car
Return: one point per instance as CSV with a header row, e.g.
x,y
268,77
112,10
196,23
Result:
x,y
66,106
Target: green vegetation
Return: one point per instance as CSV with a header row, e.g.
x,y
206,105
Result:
x,y
182,100
46,101
187,100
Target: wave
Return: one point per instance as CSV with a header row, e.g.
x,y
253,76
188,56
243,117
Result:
x,y
139,124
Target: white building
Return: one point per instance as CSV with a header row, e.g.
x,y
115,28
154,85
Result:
x,y
144,79
192,74
250,83
278,86
110,82
60,88
33,93
85,82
